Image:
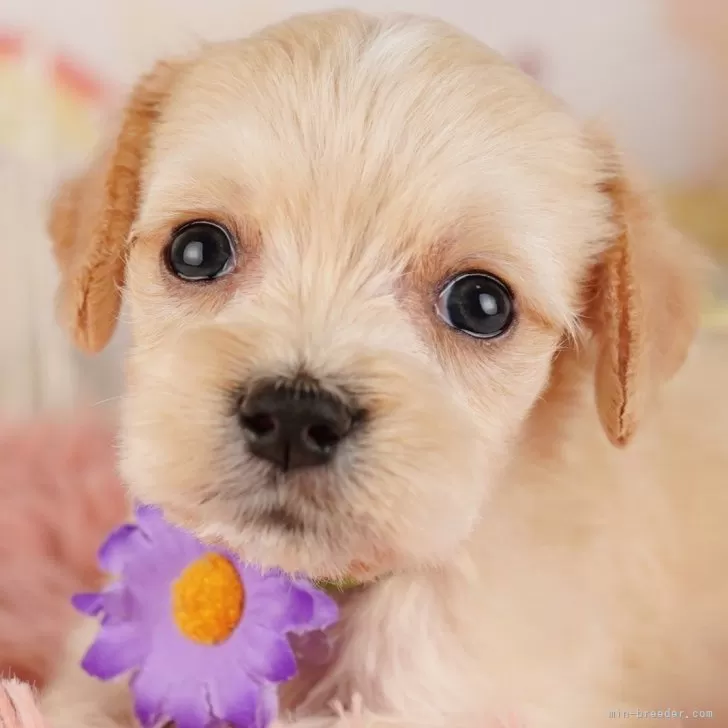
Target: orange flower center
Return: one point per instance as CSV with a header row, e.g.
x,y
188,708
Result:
x,y
208,600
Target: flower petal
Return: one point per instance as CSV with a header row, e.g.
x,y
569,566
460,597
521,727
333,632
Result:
x,y
183,701
87,603
278,602
325,609
150,518
188,708
119,605
281,662
117,649
153,525
267,707
156,684
299,611
168,548
282,608
264,654
118,547
148,699
244,703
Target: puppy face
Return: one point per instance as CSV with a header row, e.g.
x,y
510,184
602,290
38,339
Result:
x,y
356,247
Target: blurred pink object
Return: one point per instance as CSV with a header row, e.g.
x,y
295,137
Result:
x,y
59,496
532,62
18,706
702,22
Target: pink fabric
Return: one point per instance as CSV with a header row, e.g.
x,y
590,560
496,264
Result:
x,y
59,496
18,707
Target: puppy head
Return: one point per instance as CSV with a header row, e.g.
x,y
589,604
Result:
x,y
351,249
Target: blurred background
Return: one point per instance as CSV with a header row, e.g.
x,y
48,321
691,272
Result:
x,y
654,71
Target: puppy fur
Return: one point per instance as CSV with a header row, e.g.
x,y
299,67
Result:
x,y
539,518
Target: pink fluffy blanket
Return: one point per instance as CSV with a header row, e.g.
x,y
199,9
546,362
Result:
x,y
18,708
59,496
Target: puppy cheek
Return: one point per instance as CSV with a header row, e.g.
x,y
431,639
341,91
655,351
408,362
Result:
x,y
441,517
424,473
494,397
160,466
501,390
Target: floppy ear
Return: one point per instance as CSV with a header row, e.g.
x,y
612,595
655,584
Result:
x,y
646,302
92,216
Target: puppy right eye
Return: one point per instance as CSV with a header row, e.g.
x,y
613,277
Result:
x,y
201,251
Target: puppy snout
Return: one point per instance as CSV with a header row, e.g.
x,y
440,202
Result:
x,y
292,425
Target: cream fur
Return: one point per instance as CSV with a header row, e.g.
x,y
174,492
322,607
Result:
x,y
540,576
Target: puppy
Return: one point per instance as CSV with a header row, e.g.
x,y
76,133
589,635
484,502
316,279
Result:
x,y
398,316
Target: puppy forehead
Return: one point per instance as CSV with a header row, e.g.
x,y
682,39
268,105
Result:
x,y
345,130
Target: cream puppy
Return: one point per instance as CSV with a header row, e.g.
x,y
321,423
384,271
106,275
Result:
x,y
397,315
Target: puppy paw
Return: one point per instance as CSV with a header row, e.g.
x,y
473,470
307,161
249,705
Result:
x,y
356,715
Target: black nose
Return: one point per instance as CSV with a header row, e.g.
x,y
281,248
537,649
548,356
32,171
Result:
x,y
293,425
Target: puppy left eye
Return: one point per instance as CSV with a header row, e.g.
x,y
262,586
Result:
x,y
477,304
200,251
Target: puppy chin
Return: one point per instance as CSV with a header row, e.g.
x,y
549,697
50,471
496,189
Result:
x,y
405,492
303,552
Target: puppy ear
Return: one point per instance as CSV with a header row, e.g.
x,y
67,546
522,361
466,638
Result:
x,y
646,302
92,216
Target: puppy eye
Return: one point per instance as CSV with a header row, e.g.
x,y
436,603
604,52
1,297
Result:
x,y
201,251
477,304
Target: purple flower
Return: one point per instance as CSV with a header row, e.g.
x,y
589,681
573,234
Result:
x,y
204,636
